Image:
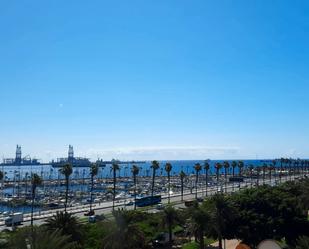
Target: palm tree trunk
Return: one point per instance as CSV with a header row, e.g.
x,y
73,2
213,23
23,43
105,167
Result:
x,y
134,192
225,176
181,189
32,205
170,235
153,182
217,179
169,186
220,242
91,193
66,193
290,172
196,182
206,182
114,188
280,174
233,172
201,239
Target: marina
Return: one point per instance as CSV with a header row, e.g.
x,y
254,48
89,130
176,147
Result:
x,y
16,182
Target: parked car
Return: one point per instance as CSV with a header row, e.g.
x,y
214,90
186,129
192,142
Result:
x,y
160,206
89,213
130,203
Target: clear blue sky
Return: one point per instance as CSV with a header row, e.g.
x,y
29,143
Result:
x,y
155,79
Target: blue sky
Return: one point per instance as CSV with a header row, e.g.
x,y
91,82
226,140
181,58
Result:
x,y
155,79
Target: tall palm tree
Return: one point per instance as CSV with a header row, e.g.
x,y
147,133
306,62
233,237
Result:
x,y
66,223
251,167
226,166
35,181
115,168
282,161
1,179
170,218
234,165
66,170
123,233
274,168
240,166
218,166
197,168
94,169
182,177
291,171
264,168
199,219
26,182
206,167
135,172
168,169
270,169
222,215
155,166
258,170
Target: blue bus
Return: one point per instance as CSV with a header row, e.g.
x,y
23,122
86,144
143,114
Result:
x,y
148,201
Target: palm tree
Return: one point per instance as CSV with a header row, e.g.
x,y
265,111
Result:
x,y
170,218
289,161
226,167
135,172
37,238
258,170
282,161
26,182
66,223
206,167
264,168
234,165
35,181
155,166
123,233
251,167
218,166
240,166
221,214
94,169
199,219
168,169
197,168
115,168
66,170
182,177
274,168
270,169
1,179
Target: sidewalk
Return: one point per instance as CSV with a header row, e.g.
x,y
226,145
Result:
x,y
229,244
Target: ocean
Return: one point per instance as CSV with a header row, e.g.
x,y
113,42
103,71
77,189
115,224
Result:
x,y
48,172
